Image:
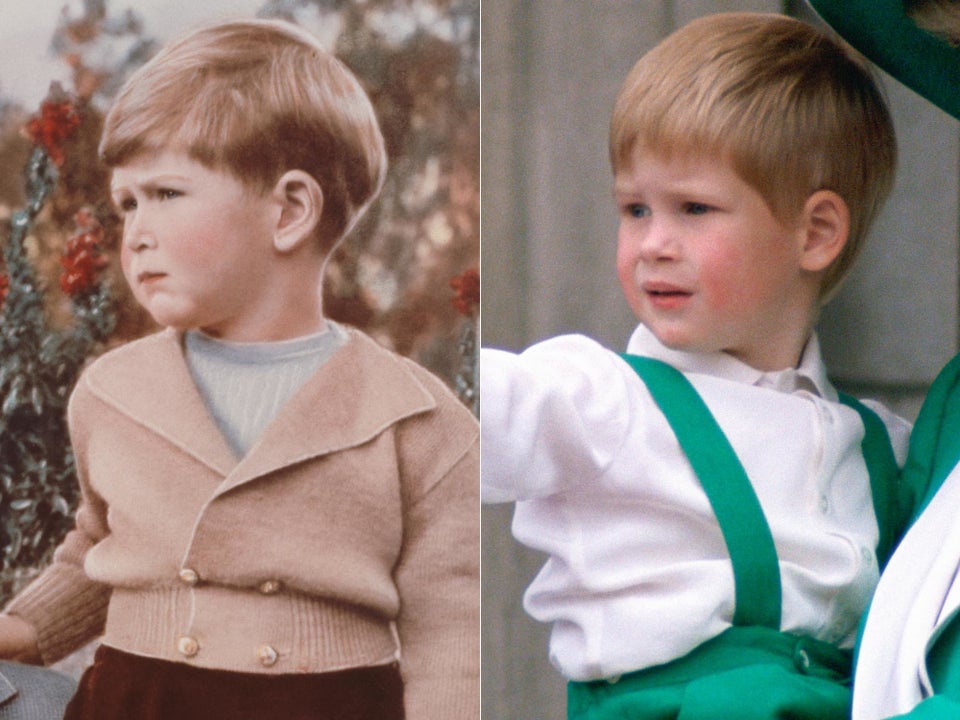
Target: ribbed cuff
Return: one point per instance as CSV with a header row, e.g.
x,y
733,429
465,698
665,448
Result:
x,y
66,608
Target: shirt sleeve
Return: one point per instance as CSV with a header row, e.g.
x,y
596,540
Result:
x,y
553,416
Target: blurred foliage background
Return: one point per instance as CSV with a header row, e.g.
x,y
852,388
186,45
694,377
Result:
x,y
406,275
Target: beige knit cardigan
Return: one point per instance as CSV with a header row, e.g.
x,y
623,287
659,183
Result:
x,y
347,536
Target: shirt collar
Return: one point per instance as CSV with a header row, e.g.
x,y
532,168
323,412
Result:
x,y
810,375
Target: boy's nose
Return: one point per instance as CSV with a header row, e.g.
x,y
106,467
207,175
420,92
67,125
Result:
x,y
658,243
136,236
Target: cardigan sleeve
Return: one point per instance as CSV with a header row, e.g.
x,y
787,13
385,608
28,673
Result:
x,y
65,607
438,571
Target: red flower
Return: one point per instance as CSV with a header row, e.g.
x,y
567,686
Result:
x,y
467,287
81,259
4,287
57,119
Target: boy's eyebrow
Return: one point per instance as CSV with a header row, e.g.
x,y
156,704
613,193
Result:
x,y
678,186
624,188
151,183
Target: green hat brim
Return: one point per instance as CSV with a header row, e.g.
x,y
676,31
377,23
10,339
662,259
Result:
x,y
881,30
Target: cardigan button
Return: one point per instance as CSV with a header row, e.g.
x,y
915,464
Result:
x,y
267,656
269,587
188,646
189,576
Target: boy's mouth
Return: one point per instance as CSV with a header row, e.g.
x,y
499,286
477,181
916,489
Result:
x,y
147,277
665,295
660,289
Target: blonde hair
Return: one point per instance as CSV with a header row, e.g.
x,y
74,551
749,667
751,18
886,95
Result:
x,y
256,98
792,111
941,17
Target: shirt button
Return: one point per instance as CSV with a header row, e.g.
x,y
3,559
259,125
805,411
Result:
x,y
270,587
189,576
867,555
824,504
188,646
267,656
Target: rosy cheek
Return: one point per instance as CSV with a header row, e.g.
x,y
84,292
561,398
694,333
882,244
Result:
x,y
626,273
723,283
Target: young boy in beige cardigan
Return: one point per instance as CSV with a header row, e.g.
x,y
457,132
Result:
x,y
278,517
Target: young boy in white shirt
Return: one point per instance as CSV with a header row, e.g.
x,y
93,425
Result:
x,y
750,154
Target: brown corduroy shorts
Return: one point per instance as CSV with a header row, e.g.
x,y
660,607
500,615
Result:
x,y
120,686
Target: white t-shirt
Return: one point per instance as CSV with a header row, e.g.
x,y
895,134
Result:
x,y
245,385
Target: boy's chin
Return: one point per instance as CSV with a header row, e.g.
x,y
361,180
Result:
x,y
686,344
676,341
172,321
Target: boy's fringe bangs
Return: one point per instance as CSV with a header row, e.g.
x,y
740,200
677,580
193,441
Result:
x,y
667,127
256,98
257,125
698,121
189,117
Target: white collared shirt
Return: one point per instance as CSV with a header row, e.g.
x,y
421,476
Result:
x,y
638,572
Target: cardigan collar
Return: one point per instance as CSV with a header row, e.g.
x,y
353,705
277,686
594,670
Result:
x,y
361,390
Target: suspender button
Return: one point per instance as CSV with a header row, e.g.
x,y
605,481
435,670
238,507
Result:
x,y
802,660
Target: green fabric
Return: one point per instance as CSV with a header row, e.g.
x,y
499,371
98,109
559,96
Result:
x,y
934,441
881,30
882,467
943,661
748,673
934,452
756,568
752,671
938,707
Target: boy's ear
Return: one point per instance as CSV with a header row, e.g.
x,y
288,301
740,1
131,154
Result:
x,y
300,200
825,227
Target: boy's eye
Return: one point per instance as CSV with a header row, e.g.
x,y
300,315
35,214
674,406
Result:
x,y
167,194
126,205
696,208
636,210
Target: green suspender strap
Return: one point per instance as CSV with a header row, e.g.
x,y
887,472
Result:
x,y
752,671
756,569
884,477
